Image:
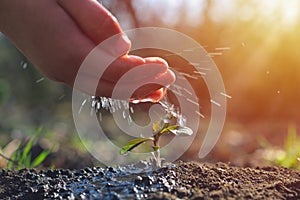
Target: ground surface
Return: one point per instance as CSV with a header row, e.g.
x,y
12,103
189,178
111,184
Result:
x,y
180,180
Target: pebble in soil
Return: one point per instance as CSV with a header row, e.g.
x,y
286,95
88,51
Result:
x,y
138,181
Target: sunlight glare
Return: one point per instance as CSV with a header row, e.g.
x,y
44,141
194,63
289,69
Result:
x,y
279,11
290,11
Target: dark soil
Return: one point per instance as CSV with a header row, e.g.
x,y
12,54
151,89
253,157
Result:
x,y
175,181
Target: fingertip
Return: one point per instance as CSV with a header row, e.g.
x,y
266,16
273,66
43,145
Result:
x,y
171,76
157,60
131,60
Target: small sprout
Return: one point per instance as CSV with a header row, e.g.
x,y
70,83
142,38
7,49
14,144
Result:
x,y
288,154
22,157
167,125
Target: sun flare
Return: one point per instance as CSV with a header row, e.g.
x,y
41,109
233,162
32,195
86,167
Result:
x,y
285,13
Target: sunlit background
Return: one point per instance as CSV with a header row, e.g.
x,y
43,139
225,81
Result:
x,y
255,44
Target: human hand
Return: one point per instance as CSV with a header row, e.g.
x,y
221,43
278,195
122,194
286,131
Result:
x,y
56,36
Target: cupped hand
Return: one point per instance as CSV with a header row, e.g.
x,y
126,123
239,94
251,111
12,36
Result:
x,y
57,36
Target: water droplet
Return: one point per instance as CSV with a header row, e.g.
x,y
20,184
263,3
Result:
x,y
82,104
213,54
222,48
40,80
188,75
215,103
201,115
61,97
24,65
100,116
181,120
131,109
195,64
193,102
119,104
129,119
93,103
201,73
187,91
112,109
226,95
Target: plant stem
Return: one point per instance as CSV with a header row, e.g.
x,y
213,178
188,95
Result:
x,y
157,157
156,150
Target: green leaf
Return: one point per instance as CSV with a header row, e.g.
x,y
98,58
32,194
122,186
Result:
x,y
182,131
169,129
27,150
132,144
27,161
40,158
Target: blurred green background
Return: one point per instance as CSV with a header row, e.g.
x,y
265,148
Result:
x,y
258,54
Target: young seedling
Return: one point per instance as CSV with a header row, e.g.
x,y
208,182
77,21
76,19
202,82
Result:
x,y
288,155
173,123
22,157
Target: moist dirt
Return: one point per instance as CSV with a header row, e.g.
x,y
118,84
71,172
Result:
x,y
180,180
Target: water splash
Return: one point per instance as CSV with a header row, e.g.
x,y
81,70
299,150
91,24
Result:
x,y
109,104
172,110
